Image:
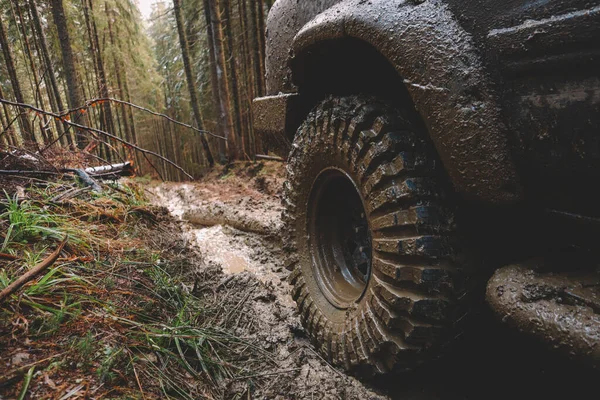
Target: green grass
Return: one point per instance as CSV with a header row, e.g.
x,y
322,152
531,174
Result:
x,y
112,301
28,222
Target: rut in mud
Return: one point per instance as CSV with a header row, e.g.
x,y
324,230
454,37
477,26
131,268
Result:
x,y
232,218
234,222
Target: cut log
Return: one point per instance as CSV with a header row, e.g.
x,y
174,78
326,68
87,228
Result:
x,y
121,169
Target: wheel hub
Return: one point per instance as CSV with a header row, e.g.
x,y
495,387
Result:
x,y
339,238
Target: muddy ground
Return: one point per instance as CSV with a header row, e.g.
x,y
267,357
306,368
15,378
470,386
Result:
x,y
232,218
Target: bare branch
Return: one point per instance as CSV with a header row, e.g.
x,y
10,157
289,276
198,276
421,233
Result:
x,y
33,272
98,131
92,102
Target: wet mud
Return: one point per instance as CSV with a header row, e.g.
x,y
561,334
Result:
x,y
244,270
236,230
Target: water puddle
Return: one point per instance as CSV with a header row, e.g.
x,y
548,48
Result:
x,y
234,264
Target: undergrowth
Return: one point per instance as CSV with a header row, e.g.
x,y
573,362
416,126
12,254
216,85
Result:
x,y
112,318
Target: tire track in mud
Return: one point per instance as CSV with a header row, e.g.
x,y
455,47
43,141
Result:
x,y
245,270
238,237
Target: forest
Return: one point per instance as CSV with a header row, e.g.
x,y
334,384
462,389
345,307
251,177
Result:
x,y
94,76
431,234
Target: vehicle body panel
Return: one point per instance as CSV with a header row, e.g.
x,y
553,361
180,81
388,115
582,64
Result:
x,y
501,86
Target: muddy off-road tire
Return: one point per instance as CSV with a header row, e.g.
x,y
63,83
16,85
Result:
x,y
370,238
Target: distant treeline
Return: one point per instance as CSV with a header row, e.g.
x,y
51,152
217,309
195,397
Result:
x,y
200,62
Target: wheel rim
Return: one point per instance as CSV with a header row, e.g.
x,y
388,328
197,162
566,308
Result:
x,y
339,238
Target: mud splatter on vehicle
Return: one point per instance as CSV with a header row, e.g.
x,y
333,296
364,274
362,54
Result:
x,y
430,142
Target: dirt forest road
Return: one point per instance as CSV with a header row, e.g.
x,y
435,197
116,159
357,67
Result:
x,y
232,218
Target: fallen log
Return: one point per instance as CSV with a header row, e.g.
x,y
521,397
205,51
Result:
x,y
121,169
87,175
33,272
270,158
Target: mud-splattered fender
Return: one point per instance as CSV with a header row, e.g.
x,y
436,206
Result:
x,y
440,67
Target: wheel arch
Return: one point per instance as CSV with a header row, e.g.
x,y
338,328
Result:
x,y
418,55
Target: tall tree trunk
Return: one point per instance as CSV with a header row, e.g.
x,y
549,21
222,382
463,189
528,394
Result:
x,y
118,67
236,104
34,81
26,131
97,54
224,96
214,79
50,76
72,79
41,45
8,131
129,111
106,117
248,74
190,78
255,33
260,35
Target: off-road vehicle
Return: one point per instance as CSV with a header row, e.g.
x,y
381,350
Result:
x,y
430,141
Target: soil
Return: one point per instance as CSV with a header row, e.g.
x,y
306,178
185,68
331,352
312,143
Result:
x,y
234,222
232,218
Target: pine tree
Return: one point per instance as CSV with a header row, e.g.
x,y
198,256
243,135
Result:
x,y
75,98
26,131
190,78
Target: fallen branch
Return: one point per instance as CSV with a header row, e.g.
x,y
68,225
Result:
x,y
73,192
98,131
9,257
270,158
33,272
28,173
100,101
87,175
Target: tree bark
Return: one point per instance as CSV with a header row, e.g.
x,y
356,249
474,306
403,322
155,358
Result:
x,y
88,11
26,132
190,78
118,67
255,46
236,103
214,80
34,81
72,79
49,76
129,111
7,133
260,34
225,119
248,74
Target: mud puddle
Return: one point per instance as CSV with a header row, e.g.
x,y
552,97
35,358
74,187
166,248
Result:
x,y
236,230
